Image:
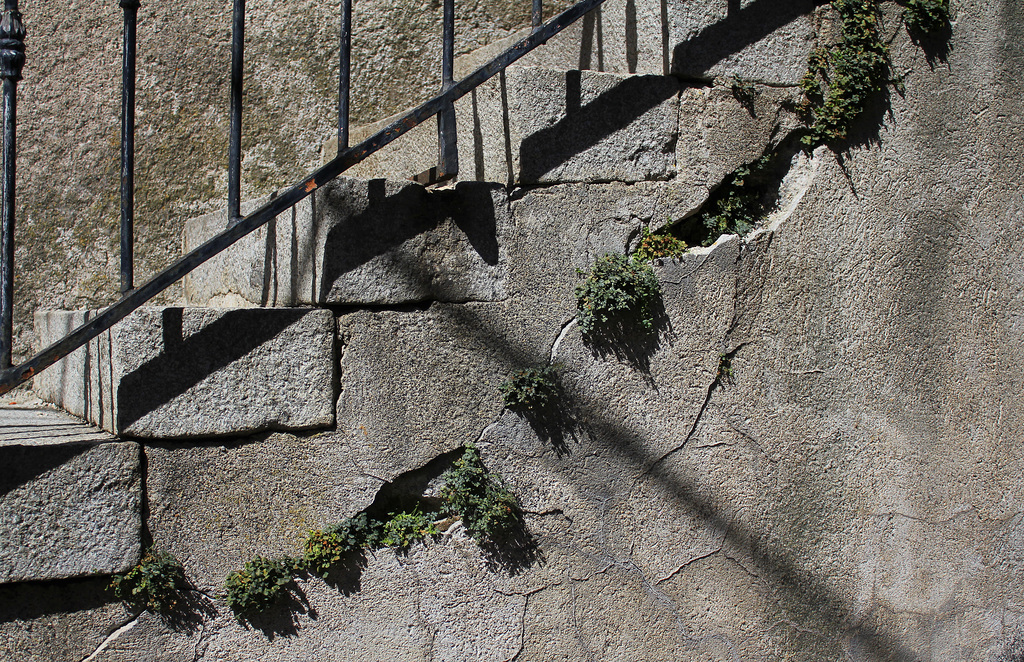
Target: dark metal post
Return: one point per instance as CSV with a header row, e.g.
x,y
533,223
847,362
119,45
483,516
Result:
x,y
12,59
538,13
345,59
235,139
131,11
448,153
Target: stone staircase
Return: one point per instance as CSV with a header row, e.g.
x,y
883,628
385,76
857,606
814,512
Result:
x,y
380,311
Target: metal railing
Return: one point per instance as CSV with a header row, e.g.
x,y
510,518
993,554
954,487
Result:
x,y
12,58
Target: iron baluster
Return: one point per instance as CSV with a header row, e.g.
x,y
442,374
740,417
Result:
x,y
235,139
448,153
537,15
345,59
12,59
131,11
346,158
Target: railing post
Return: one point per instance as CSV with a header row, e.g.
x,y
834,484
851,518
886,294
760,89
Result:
x,y
537,15
131,11
345,60
448,153
235,139
12,59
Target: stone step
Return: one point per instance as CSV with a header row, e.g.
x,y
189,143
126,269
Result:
x,y
70,497
511,128
187,373
390,242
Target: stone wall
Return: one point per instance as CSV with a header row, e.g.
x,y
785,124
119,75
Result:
x,y
815,458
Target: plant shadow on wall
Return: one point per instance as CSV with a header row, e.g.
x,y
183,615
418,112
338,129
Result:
x,y
157,584
619,309
845,97
419,506
535,395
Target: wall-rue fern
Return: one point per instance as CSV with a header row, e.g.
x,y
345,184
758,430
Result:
x,y
489,511
661,245
260,584
530,389
404,528
842,78
739,204
154,583
617,293
327,548
924,16
487,508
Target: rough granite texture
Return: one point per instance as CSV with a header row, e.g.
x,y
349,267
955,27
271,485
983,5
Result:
x,y
69,128
68,507
816,457
531,125
196,372
414,245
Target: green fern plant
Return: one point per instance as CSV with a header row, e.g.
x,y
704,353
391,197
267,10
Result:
x,y
404,528
530,389
489,511
616,293
258,585
155,583
658,246
328,547
926,15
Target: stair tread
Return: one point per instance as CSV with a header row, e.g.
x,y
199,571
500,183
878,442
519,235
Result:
x,y
38,425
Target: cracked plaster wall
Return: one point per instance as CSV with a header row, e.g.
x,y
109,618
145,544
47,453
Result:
x,y
851,491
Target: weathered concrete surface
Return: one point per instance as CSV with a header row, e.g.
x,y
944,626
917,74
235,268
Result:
x,y
718,132
362,242
216,506
194,372
59,621
69,498
845,486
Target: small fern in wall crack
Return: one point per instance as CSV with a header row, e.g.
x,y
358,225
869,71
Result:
x,y
617,293
155,583
259,585
842,78
489,511
660,245
927,16
531,389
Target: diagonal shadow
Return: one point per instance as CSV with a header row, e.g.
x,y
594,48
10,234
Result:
x,y
388,221
24,463
740,28
833,611
184,362
586,125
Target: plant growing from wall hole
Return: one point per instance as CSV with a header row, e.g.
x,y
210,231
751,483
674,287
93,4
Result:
x,y
530,389
659,245
155,583
616,293
405,528
739,204
328,547
489,511
842,78
259,585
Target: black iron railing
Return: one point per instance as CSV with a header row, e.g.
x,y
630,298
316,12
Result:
x,y
12,58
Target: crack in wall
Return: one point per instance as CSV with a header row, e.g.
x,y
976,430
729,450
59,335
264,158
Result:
x,y
112,637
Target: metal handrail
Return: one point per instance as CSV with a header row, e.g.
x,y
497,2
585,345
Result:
x,y
12,48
